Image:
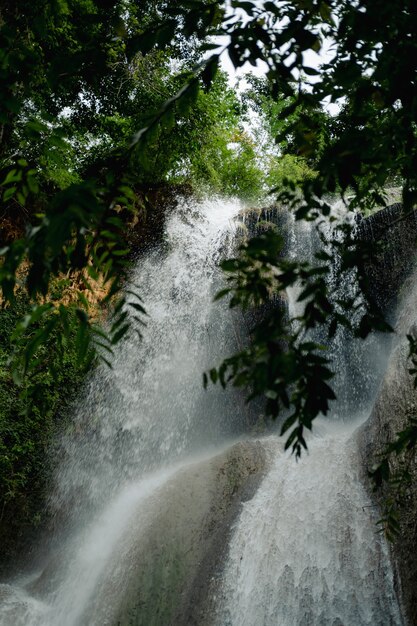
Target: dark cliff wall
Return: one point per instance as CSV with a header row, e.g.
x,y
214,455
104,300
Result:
x,y
394,237
393,282
395,405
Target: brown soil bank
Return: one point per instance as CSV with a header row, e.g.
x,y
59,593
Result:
x,y
173,550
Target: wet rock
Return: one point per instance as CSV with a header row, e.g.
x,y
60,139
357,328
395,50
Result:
x,y
395,404
172,555
394,235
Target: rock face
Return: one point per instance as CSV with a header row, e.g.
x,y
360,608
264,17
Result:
x,y
172,555
395,237
397,399
395,404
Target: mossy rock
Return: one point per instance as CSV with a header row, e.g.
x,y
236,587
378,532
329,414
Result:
x,y
175,545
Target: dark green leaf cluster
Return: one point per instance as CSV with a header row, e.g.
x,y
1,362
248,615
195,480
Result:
x,y
370,76
282,364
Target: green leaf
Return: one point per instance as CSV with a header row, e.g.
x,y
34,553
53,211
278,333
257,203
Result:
x,y
221,294
137,307
213,375
120,334
9,193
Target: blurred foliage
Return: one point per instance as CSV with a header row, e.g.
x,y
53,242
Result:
x,y
283,363
286,170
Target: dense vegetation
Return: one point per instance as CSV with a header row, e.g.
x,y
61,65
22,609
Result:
x,y
104,100
30,415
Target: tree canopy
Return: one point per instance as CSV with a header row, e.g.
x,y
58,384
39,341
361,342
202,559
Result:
x,y
80,79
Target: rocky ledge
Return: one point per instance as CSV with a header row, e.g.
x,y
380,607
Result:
x,y
172,555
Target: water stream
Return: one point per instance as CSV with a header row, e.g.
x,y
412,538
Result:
x,y
140,420
304,551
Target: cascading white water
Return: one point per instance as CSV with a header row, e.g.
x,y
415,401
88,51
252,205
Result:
x,y
85,561
359,365
144,415
150,408
305,550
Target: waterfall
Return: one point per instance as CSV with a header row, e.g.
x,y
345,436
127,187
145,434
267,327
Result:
x,y
150,409
358,365
303,551
138,420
